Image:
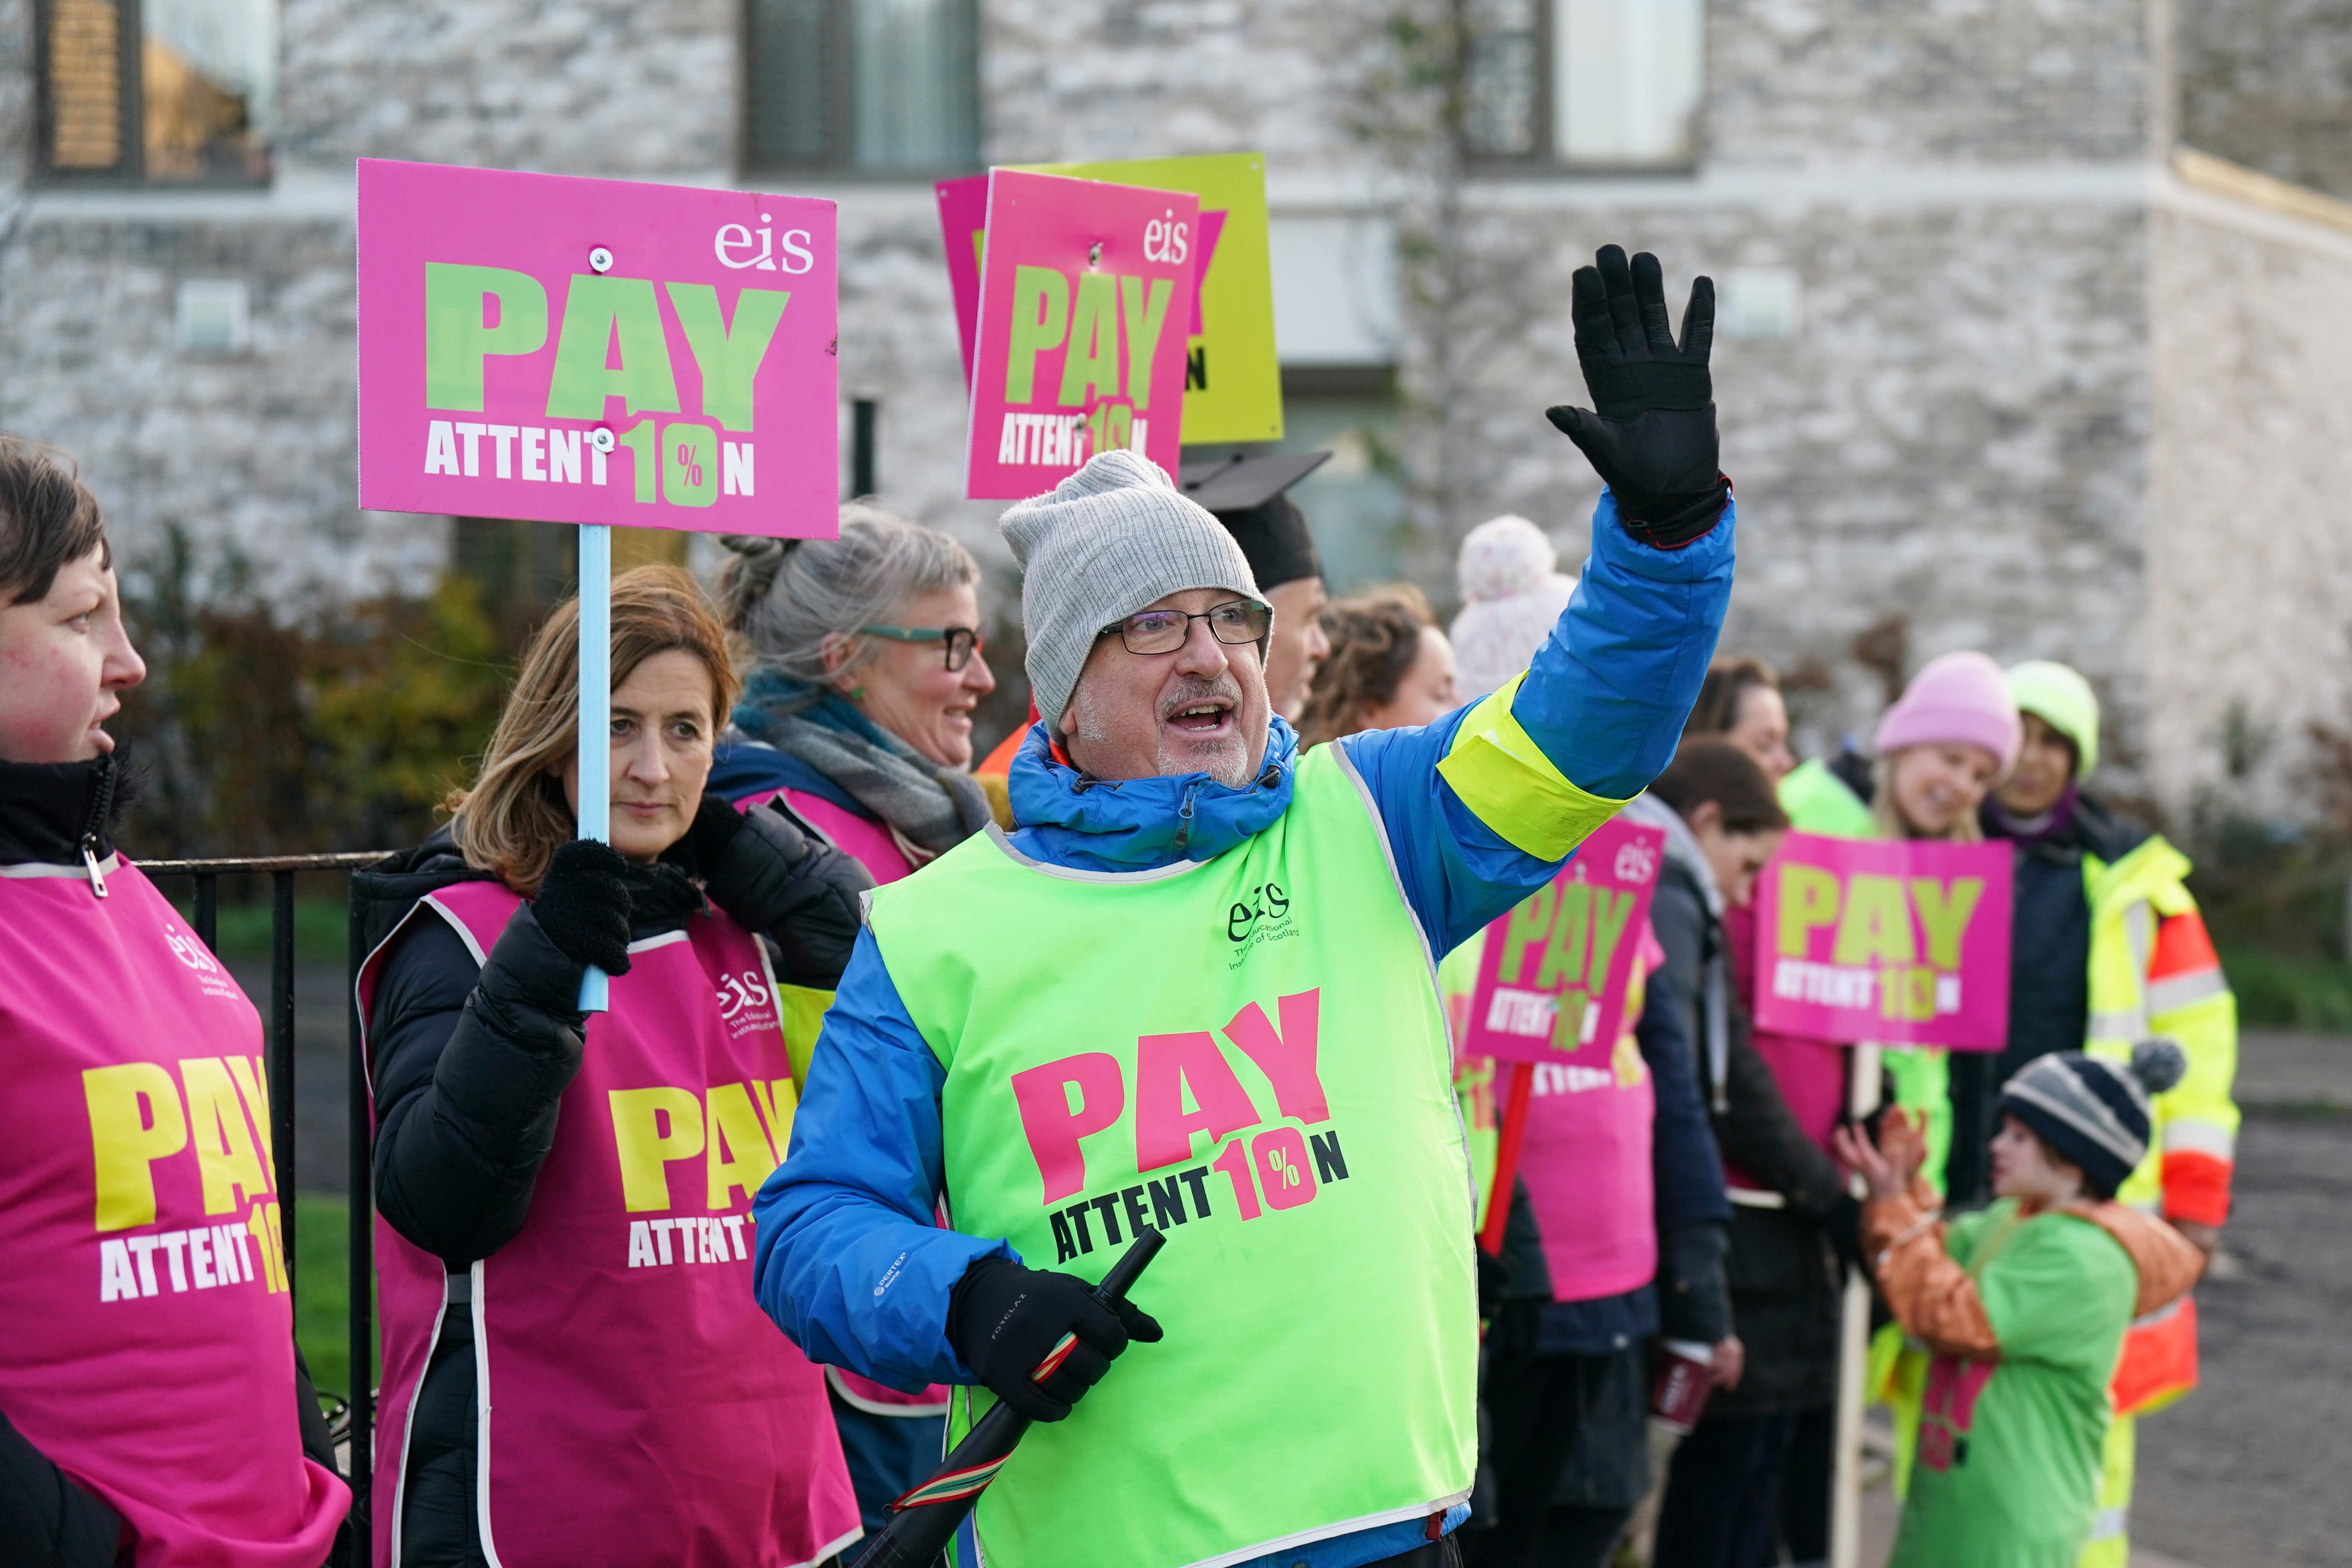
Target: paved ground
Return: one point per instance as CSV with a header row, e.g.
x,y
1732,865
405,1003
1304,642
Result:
x,y
2250,1470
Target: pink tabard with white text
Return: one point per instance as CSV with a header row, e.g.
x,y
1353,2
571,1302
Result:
x,y
638,1404
150,1343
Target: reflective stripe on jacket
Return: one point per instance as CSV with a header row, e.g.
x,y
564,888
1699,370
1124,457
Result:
x,y
2154,973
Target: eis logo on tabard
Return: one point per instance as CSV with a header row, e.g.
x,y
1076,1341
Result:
x,y
745,1002
1261,915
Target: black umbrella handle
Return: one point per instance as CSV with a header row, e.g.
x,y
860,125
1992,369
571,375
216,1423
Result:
x,y
925,1519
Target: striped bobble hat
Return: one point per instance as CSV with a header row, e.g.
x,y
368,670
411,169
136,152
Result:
x,y
2093,1111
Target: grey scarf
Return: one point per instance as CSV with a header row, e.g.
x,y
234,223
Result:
x,y
928,808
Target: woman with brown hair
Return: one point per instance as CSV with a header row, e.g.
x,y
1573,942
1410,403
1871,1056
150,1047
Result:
x,y
1390,667
564,1200
1740,701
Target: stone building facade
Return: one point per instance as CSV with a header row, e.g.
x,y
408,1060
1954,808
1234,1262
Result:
x,y
2002,365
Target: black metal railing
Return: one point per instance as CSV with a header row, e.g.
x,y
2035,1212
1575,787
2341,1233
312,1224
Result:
x,y
278,1023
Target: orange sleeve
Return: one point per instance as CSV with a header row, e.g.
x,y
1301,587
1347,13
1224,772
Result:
x,y
2197,1187
2182,944
1928,1292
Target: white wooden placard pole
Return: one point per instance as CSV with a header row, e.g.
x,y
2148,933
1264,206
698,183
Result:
x,y
595,714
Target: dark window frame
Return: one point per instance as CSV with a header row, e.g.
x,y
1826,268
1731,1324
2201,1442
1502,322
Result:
x,y
1544,160
130,172
840,111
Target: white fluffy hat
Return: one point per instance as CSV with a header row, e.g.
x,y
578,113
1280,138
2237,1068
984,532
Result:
x,y
1512,592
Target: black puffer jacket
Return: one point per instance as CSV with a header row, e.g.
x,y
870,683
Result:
x,y
1782,1267
2049,976
54,814
470,1063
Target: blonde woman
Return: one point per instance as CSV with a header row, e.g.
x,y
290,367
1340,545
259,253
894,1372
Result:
x,y
574,1369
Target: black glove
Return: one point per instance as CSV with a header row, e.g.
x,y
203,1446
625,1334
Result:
x,y
716,827
1004,1319
1693,1302
768,875
584,905
1494,1282
1654,437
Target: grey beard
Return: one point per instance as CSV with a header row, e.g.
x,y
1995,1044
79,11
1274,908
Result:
x,y
1228,764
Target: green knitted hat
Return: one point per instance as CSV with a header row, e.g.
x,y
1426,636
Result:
x,y
2062,700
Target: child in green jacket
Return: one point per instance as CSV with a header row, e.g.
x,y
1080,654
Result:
x,y
2023,1306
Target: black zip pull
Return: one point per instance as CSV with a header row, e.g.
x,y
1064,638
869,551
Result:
x,y
101,802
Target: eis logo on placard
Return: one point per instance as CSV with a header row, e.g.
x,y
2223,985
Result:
x,y
745,1003
1261,915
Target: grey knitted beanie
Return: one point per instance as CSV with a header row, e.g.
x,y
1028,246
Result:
x,y
1102,544
2093,1111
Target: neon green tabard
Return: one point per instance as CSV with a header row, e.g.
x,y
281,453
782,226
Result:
x,y
1249,1054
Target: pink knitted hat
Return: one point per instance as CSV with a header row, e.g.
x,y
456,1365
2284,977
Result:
x,y
1954,697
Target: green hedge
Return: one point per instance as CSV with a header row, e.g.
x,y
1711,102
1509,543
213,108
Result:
x,y
323,1294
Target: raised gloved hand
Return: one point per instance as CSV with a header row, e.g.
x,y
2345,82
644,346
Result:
x,y
1004,1319
800,894
584,905
1653,437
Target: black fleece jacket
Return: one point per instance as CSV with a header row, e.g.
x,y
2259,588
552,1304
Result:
x,y
1781,1266
470,1062
65,813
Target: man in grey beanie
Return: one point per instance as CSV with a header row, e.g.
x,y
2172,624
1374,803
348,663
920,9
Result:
x,y
1117,537
1192,991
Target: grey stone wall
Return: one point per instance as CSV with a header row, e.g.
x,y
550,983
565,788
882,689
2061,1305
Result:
x,y
2251,460
626,88
16,100
1959,447
1809,81
1955,439
1125,79
2266,83
250,457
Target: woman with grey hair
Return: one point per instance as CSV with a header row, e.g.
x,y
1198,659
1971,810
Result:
x,y
856,720
857,716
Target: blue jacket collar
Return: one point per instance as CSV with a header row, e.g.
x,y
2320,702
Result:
x,y
1068,818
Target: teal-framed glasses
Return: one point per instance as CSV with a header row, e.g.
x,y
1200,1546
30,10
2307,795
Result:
x,y
962,642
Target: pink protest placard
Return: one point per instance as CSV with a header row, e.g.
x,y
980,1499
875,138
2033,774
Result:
x,y
1552,981
1085,288
596,352
963,222
1900,942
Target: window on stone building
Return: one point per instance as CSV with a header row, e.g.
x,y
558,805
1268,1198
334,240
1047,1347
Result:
x,y
1611,84
156,91
866,87
1356,502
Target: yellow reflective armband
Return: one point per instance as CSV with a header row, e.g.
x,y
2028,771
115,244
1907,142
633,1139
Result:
x,y
1502,775
804,1012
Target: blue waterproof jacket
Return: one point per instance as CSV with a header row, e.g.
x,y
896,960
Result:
x,y
848,1261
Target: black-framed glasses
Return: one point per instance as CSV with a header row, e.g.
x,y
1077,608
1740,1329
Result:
x,y
963,642
1235,621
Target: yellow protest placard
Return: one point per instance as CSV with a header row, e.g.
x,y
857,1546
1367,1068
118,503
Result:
x,y
1233,380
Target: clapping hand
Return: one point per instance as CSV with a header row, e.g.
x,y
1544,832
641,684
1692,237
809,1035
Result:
x,y
1888,1166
